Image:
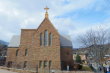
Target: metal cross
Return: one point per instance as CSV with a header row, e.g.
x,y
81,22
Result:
x,y
46,8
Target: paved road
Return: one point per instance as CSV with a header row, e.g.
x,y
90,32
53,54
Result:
x,y
6,71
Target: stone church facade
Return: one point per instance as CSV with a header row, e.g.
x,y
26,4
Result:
x,y
42,49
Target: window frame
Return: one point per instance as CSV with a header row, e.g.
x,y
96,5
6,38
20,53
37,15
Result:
x,y
17,52
45,64
25,64
50,39
50,63
41,39
26,52
46,38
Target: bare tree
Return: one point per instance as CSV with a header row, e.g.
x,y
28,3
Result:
x,y
97,44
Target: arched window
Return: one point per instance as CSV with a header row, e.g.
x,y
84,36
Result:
x,y
50,39
45,63
26,52
41,39
17,52
50,62
46,38
40,64
25,64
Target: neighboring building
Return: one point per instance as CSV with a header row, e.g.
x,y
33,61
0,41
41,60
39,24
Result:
x,y
82,52
3,51
106,59
42,49
83,58
2,60
92,54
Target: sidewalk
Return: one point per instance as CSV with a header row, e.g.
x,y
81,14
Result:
x,y
6,71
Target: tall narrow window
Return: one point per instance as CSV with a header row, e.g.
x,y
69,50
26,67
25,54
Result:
x,y
45,63
41,39
50,62
17,52
26,52
25,63
46,38
40,64
50,39
36,68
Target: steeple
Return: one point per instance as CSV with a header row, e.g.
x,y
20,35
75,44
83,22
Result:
x,y
46,13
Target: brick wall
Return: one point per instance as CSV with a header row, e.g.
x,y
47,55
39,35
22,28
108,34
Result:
x,y
30,39
11,56
67,58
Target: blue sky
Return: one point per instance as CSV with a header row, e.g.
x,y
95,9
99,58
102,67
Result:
x,y
71,17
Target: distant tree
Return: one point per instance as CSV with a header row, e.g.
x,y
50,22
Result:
x,y
3,50
78,59
97,44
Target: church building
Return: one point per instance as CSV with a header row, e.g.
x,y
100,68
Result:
x,y
41,50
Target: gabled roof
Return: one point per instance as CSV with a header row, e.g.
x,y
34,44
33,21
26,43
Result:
x,y
65,41
45,22
15,41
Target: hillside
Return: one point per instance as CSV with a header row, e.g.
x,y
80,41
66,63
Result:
x,y
3,42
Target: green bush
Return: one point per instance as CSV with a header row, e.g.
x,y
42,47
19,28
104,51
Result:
x,y
78,59
86,68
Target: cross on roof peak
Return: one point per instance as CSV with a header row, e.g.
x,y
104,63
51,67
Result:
x,y
46,8
46,14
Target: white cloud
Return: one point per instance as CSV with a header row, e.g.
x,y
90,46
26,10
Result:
x,y
27,22
9,9
80,31
17,13
5,34
72,5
